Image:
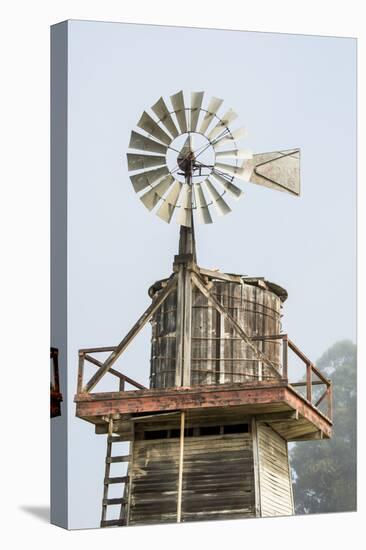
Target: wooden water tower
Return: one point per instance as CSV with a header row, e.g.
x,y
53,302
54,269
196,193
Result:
x,y
208,439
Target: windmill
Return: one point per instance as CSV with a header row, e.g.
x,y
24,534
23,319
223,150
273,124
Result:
x,y
202,186
208,439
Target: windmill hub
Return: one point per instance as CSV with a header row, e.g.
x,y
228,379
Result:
x,y
191,157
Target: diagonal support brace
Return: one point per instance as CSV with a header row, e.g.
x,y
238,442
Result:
x,y
201,286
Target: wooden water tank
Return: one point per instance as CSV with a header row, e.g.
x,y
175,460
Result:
x,y
219,355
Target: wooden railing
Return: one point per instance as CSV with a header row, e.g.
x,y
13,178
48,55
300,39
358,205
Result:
x,y
310,369
313,377
84,356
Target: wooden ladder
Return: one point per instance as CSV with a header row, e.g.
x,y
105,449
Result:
x,y
108,480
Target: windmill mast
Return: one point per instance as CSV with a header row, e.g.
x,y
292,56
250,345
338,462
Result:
x,y
183,264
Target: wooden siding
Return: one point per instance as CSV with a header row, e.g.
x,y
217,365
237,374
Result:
x,y
218,479
154,479
275,485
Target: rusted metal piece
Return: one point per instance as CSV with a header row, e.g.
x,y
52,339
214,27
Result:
x,y
55,394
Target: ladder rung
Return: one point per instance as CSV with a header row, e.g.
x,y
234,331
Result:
x,y
112,522
116,439
111,501
124,458
109,480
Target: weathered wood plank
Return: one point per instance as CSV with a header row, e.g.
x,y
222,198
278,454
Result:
x,y
274,472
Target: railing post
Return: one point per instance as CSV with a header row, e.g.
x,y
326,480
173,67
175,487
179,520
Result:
x,y
80,372
308,382
121,384
330,402
285,357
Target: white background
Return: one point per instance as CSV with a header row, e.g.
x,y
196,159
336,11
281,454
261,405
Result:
x,y
25,268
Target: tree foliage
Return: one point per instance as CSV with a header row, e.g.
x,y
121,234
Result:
x,y
324,472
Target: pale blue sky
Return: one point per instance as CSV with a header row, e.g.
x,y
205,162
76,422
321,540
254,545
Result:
x,y
289,91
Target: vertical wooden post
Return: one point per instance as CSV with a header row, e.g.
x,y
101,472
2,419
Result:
x,y
185,259
180,471
129,474
290,482
180,328
107,471
80,372
221,350
121,384
187,345
285,357
308,382
257,492
330,402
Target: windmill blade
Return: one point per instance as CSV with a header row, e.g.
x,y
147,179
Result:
x,y
235,135
242,172
180,111
222,207
138,141
228,117
162,112
278,170
166,210
213,107
151,127
185,211
196,104
143,180
140,162
243,154
154,195
229,185
203,211
186,147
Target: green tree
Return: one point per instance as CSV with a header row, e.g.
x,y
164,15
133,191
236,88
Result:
x,y
324,472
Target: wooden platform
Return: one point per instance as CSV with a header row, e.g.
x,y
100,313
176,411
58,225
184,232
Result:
x,y
274,402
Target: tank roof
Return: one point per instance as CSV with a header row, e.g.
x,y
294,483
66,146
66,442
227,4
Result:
x,y
260,282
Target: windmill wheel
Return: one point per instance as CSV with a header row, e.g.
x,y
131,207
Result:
x,y
188,159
